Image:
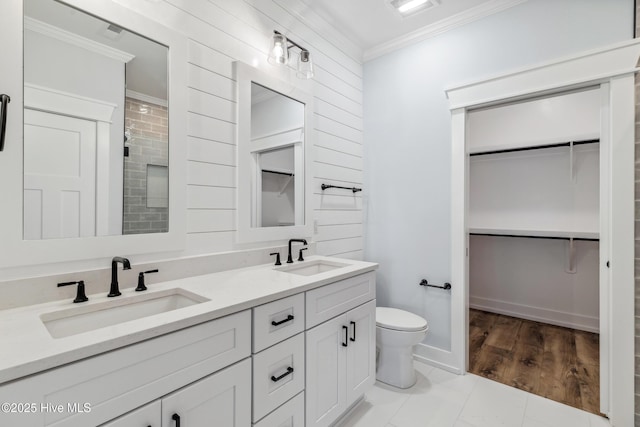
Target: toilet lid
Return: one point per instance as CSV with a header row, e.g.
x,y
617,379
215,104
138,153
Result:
x,y
399,320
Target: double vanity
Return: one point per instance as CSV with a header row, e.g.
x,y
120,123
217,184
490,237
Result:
x,y
268,346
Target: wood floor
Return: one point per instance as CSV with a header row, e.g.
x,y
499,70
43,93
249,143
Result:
x,y
554,362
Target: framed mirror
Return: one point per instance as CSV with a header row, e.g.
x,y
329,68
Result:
x,y
97,153
96,140
274,158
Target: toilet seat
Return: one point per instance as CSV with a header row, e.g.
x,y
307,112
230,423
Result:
x,y
399,320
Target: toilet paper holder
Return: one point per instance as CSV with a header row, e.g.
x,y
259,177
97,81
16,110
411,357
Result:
x,y
446,285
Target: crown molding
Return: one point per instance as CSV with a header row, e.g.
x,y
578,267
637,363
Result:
x,y
486,9
76,40
146,98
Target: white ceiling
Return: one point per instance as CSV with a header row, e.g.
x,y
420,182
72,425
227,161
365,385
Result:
x,y
376,28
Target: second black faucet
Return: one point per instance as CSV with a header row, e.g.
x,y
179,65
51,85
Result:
x,y
290,258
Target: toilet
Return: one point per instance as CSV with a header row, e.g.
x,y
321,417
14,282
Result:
x,y
397,331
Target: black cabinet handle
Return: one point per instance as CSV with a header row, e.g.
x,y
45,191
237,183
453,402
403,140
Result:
x,y
346,336
353,338
4,100
176,418
288,319
276,379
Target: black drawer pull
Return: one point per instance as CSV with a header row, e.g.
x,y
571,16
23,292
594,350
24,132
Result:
x,y
176,418
276,379
346,336
353,338
288,319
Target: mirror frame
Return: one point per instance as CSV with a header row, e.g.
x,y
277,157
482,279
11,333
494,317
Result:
x,y
246,75
16,252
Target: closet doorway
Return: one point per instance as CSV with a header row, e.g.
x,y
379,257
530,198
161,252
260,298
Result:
x,y
534,235
612,69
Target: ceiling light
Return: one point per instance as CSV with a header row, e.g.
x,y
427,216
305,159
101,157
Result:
x,y
409,7
279,55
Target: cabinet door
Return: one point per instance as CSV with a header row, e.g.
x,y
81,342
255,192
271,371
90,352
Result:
x,y
361,352
147,416
222,399
326,362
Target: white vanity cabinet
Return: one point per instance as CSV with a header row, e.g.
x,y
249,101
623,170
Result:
x,y
114,383
223,398
302,360
278,361
336,353
341,351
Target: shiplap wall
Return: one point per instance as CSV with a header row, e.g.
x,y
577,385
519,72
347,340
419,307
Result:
x,y
222,31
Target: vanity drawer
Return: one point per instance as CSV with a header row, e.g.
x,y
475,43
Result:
x,y
277,321
291,414
278,375
332,300
124,379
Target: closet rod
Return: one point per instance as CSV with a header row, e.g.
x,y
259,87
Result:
x,y
586,239
354,189
276,172
539,147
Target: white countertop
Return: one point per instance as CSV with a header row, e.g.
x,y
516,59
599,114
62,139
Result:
x,y
27,347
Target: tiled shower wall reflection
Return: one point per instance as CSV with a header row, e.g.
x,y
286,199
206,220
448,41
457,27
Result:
x,y
146,129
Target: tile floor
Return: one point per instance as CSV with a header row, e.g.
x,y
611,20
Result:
x,y
443,399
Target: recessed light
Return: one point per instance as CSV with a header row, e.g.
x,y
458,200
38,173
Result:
x,y
409,7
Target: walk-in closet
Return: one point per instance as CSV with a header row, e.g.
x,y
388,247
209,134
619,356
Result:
x,y
535,235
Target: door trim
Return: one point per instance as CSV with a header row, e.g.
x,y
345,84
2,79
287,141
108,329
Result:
x,y
613,68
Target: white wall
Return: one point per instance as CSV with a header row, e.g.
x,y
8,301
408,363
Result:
x,y
407,122
528,278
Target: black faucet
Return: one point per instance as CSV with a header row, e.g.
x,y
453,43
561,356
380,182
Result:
x,y
290,258
114,291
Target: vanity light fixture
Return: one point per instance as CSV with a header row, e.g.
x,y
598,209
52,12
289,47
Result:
x,y
279,55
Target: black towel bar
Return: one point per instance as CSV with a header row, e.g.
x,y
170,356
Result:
x,y
354,189
446,285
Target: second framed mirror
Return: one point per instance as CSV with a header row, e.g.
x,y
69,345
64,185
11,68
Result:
x,y
274,158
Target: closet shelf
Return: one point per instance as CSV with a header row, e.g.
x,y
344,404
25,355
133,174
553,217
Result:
x,y
481,151
537,233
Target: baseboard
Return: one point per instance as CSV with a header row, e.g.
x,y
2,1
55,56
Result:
x,y
553,317
437,357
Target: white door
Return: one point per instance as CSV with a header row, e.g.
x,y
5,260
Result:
x,y
361,352
326,362
59,176
222,400
146,416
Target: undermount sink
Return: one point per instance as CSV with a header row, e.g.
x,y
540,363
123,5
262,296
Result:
x,y
310,268
76,320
